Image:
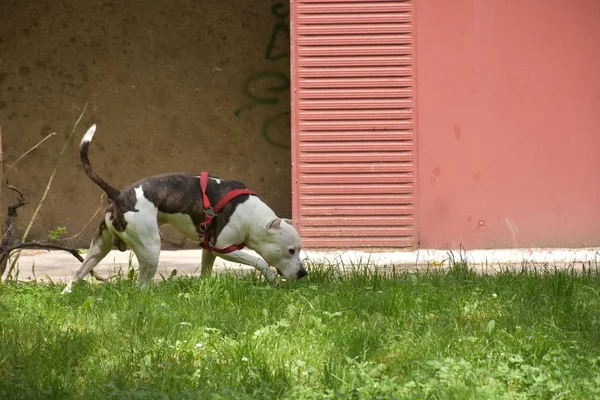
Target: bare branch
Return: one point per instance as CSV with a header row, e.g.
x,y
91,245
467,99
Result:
x,y
5,254
38,245
9,238
12,166
39,206
12,209
89,221
1,155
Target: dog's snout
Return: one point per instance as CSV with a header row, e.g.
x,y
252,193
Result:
x,y
301,273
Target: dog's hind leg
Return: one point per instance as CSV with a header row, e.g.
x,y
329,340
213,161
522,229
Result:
x,y
208,260
143,238
99,248
147,255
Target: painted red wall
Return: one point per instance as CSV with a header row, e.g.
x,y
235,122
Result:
x,y
508,106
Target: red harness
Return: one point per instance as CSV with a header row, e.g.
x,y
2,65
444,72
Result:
x,y
211,212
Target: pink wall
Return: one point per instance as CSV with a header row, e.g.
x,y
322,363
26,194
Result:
x,y
508,106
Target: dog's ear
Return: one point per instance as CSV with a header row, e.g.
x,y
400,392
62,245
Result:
x,y
275,224
289,221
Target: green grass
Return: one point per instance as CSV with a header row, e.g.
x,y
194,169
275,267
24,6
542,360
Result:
x,y
426,335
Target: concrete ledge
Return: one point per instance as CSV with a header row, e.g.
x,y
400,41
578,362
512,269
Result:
x,y
58,265
475,258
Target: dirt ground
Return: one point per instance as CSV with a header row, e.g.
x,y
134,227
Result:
x,y
174,86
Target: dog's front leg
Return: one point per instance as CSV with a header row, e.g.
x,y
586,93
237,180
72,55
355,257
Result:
x,y
256,262
208,260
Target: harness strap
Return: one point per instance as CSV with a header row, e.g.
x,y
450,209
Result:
x,y
203,186
223,250
211,212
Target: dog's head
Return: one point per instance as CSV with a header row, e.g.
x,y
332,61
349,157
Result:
x,y
281,249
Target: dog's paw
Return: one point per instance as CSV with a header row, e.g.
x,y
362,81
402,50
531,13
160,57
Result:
x,y
277,282
274,279
67,289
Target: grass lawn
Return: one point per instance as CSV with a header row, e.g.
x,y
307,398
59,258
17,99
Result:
x,y
432,334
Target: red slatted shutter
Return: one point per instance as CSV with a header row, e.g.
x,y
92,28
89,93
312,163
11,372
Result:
x,y
353,139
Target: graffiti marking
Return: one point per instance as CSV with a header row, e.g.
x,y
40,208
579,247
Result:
x,y
272,83
267,124
282,85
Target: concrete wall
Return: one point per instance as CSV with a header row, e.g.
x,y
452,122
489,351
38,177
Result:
x,y
508,123
174,86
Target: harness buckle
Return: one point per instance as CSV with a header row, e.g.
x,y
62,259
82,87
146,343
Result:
x,y
210,214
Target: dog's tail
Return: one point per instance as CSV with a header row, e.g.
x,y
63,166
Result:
x,y
111,192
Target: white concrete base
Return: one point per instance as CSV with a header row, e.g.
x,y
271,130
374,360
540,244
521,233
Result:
x,y
475,258
58,265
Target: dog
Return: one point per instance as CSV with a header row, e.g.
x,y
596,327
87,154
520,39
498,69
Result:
x,y
135,213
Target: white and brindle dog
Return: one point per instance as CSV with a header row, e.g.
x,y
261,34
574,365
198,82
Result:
x,y
135,213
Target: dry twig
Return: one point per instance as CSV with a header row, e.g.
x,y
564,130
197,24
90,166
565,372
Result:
x,y
10,241
12,166
39,206
89,221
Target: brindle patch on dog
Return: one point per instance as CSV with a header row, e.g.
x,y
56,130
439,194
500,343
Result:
x,y
179,193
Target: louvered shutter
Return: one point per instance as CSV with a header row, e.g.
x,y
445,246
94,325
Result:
x,y
353,140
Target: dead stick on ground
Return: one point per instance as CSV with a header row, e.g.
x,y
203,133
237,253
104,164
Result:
x,y
48,246
5,254
11,243
39,206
